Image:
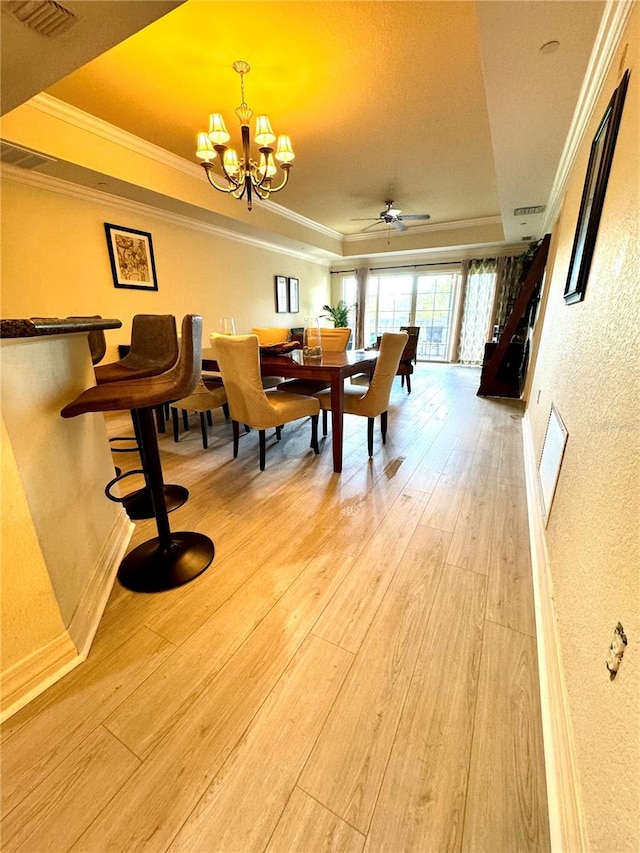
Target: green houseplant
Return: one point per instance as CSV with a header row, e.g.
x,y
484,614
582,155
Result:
x,y
338,313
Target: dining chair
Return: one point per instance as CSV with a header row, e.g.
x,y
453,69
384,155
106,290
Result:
x,y
270,335
412,330
239,360
267,337
203,400
333,340
407,360
375,399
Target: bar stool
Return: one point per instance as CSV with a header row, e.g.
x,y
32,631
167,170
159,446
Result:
x,y
170,559
153,350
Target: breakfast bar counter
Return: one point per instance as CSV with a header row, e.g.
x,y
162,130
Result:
x,y
61,539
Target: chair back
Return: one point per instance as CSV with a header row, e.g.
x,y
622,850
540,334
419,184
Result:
x,y
238,358
154,342
270,335
376,398
335,340
409,351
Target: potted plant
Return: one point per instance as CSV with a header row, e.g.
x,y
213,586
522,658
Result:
x,y
338,313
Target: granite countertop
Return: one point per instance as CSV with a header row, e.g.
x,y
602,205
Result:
x,y
36,327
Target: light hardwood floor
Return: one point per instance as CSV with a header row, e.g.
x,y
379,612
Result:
x,y
355,671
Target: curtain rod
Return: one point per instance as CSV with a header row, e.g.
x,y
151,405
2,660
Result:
x,y
403,267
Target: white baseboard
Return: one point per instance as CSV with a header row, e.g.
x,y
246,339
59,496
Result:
x,y
33,675
566,822
84,622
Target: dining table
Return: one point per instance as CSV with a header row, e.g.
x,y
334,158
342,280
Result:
x,y
330,367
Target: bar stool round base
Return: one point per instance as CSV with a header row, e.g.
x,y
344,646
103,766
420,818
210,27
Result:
x,y
139,506
152,568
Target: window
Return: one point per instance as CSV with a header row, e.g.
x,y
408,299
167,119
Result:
x,y
426,299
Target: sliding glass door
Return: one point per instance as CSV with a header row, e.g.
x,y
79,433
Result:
x,y
425,299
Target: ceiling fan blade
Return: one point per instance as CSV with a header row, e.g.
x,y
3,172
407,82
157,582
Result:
x,y
373,225
416,216
365,219
397,224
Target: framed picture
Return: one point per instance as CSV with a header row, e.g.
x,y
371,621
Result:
x,y
595,187
281,294
294,296
131,254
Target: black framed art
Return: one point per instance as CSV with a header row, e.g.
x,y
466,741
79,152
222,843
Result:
x,y
294,296
131,255
282,298
593,193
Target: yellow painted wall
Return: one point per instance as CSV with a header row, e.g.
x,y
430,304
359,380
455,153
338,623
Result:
x,y
55,263
589,367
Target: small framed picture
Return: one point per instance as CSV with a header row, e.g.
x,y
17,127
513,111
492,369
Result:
x,y
294,296
131,255
281,294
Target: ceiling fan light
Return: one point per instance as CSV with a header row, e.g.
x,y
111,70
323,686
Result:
x,y
264,132
231,161
284,151
205,150
218,133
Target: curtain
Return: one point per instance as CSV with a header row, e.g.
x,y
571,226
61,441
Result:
x,y
479,282
508,285
362,274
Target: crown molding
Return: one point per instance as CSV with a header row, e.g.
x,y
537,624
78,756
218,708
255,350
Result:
x,y
614,20
110,133
432,227
94,196
431,256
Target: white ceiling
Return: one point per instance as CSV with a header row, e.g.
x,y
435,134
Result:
x,y
447,108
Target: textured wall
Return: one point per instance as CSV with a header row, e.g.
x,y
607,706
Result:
x,y
589,367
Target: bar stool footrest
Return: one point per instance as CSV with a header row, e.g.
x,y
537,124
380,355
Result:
x,y
139,505
153,568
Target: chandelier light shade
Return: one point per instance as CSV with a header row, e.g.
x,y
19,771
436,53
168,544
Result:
x,y
244,176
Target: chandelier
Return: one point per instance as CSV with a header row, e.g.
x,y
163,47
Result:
x,y
244,175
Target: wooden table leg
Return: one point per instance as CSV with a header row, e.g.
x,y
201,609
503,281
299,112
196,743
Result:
x,y
337,409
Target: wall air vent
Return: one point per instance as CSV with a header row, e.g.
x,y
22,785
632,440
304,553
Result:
x,y
529,211
46,17
13,155
553,446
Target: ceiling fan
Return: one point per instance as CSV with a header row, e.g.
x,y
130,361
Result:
x,y
393,216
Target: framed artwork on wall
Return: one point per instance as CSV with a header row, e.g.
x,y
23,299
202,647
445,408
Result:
x,y
281,294
131,255
593,193
294,296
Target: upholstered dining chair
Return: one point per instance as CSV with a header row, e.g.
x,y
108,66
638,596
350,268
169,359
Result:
x,y
333,340
270,335
239,360
267,337
374,400
203,400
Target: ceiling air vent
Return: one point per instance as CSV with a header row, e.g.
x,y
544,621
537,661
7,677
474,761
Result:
x,y
46,17
13,155
529,211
